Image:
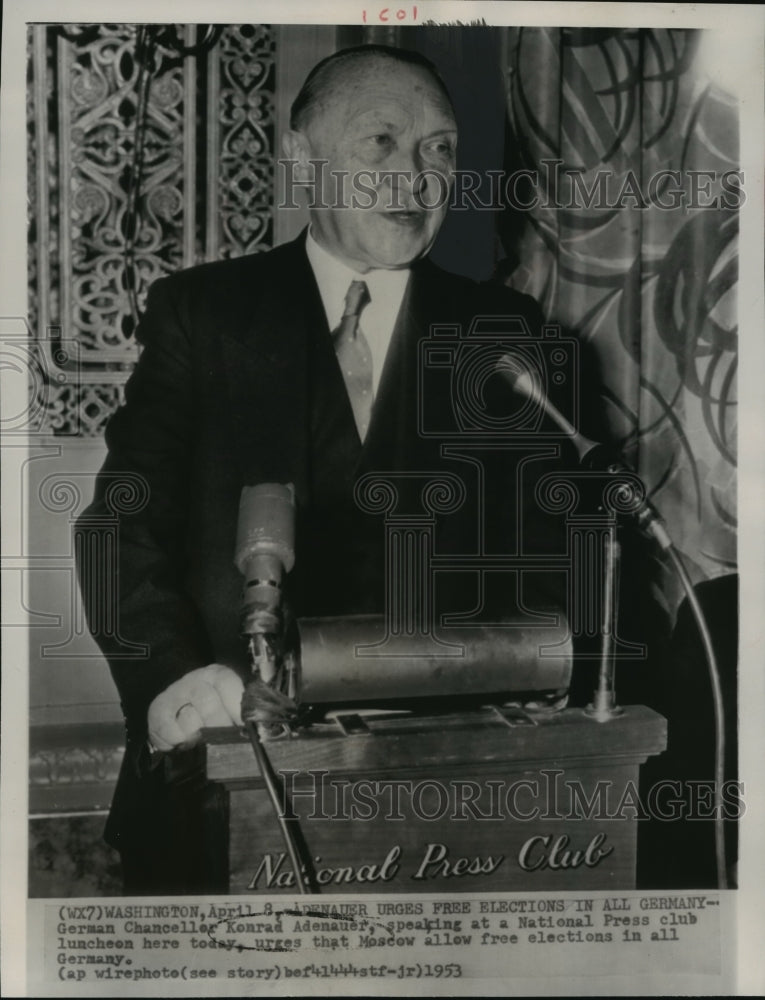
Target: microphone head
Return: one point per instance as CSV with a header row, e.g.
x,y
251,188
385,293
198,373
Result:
x,y
521,378
266,525
265,551
516,373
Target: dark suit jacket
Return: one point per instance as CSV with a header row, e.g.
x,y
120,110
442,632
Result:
x,y
238,384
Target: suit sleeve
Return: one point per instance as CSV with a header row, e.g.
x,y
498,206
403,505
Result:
x,y
150,444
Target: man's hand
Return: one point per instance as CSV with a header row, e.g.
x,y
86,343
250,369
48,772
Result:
x,y
209,696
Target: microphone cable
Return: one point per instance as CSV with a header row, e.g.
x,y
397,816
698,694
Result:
x,y
289,826
717,702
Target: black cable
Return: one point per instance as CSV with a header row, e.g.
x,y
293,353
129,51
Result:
x,y
289,825
144,54
150,41
169,38
717,701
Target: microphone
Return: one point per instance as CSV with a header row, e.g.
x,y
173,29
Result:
x,y
264,554
596,456
593,455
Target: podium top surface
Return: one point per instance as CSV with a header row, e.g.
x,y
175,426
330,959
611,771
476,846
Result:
x,y
396,744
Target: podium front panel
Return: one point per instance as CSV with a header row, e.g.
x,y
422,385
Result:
x,y
466,802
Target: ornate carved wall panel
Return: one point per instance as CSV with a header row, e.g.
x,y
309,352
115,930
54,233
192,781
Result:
x,y
150,148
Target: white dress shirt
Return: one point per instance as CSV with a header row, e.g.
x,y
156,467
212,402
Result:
x,y
378,319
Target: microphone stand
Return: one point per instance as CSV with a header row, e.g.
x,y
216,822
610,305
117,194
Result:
x,y
603,707
595,456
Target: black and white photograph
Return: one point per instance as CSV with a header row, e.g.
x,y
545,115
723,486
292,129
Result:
x,y
382,557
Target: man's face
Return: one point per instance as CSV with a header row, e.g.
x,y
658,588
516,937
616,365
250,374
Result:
x,y
384,116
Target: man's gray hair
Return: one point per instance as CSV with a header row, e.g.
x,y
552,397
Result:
x,y
326,75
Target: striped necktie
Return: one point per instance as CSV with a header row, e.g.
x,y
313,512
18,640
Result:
x,y
355,357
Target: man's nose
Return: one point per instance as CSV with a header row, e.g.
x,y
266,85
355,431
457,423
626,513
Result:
x,y
404,174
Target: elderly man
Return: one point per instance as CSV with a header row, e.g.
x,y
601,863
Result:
x,y
246,377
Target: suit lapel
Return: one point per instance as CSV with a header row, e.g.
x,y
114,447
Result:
x,y
268,336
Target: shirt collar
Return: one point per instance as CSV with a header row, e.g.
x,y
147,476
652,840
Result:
x,y
334,278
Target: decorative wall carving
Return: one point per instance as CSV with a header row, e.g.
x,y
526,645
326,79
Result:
x,y
244,176
150,148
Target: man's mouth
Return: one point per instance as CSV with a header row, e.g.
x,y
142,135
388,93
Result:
x,y
412,218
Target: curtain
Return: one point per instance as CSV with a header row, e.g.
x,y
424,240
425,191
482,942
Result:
x,y
622,221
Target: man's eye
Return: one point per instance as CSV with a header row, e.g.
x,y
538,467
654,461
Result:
x,y
441,148
381,139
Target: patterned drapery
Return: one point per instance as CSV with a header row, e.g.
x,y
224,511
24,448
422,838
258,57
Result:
x,y
624,226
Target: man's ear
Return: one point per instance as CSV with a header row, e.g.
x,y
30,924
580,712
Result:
x,y
295,146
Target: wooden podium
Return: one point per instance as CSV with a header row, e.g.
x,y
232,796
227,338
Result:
x,y
491,799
